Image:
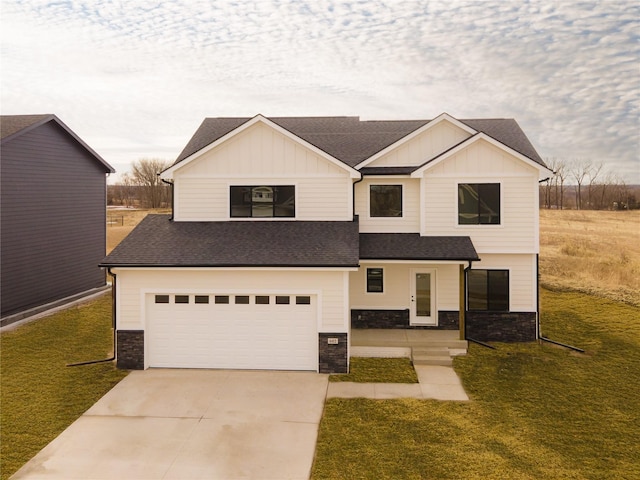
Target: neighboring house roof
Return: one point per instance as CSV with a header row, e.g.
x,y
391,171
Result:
x,y
411,246
13,126
159,242
351,140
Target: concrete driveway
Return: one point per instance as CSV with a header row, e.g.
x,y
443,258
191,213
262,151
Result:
x,y
192,424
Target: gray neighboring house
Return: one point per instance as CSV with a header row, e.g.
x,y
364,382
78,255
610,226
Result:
x,y
53,208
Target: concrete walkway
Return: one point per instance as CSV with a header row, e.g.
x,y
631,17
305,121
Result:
x,y
436,382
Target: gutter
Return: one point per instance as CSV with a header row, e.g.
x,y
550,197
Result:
x,y
172,196
113,325
353,194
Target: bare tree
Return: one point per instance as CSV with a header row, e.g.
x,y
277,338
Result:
x,y
594,171
579,170
144,173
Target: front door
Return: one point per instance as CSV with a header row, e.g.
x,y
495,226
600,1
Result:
x,y
423,297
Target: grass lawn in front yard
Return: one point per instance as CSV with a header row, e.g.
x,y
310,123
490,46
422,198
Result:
x,y
536,411
378,370
39,395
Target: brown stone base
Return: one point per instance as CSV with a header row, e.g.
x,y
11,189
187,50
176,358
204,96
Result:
x,y
130,349
447,320
501,326
332,356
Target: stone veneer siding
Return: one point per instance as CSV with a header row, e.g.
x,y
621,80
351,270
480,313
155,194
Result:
x,y
447,320
501,326
130,349
333,358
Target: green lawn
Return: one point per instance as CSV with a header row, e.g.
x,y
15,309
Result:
x,y
39,395
378,370
536,411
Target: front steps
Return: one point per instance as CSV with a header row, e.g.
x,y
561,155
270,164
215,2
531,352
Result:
x,y
423,347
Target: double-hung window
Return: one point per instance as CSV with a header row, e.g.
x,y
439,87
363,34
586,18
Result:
x,y
488,290
262,201
385,200
478,204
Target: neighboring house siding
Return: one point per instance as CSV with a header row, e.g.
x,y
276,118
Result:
x,y
484,163
262,156
410,220
330,286
424,146
396,295
53,218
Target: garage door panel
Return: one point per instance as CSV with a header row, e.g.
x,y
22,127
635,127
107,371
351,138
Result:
x,y
232,335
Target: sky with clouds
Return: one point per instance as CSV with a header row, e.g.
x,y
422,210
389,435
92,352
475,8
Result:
x,y
135,78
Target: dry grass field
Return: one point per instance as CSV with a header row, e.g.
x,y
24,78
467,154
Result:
x,y
596,252
120,222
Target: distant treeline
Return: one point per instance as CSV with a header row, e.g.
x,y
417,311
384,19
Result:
x,y
585,185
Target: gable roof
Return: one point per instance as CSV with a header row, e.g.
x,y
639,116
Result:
x,y
159,242
13,126
351,140
243,125
412,246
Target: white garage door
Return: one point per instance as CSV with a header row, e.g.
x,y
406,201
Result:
x,y
275,332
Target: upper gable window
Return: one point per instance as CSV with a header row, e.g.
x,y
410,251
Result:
x,y
263,201
478,204
385,200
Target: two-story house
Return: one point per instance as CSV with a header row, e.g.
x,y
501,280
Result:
x,y
286,233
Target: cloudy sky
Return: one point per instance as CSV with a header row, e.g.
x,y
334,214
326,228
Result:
x,y
135,78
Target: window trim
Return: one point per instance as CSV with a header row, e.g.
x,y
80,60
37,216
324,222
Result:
x,y
478,225
509,289
402,200
366,281
293,185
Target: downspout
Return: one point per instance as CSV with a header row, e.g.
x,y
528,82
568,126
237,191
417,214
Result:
x,y
463,305
353,195
172,196
113,325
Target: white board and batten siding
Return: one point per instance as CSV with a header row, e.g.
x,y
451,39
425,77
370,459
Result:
x,y
422,147
410,220
261,155
518,231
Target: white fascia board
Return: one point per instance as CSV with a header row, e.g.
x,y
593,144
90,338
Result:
x,y
440,118
168,174
415,262
470,141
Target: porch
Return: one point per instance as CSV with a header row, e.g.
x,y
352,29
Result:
x,y
423,347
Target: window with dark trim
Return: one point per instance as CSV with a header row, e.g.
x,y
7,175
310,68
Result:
x,y
242,299
262,201
385,200
262,299
182,299
202,299
303,300
478,204
162,298
224,299
488,290
375,282
282,300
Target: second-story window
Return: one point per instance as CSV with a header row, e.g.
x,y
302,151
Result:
x,y
478,204
385,200
263,201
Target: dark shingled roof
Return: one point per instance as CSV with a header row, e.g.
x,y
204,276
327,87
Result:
x,y
411,246
351,140
14,126
157,242
10,124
